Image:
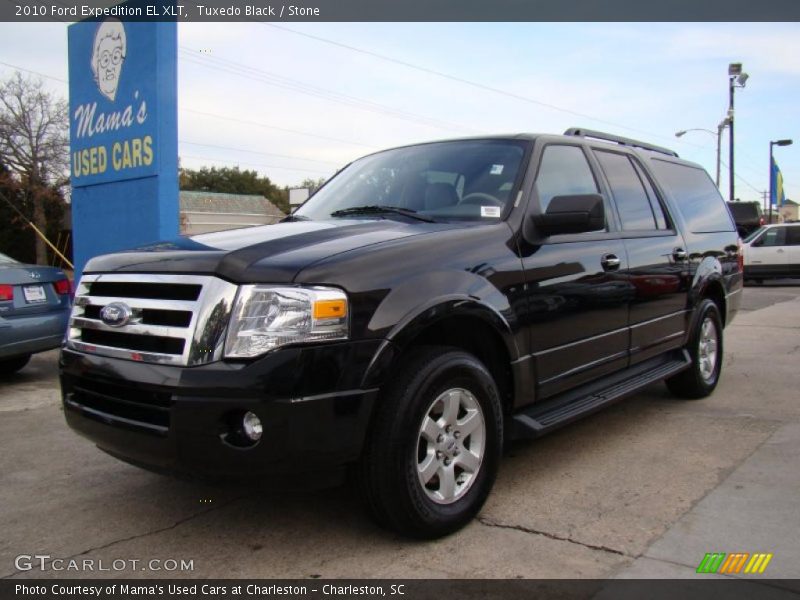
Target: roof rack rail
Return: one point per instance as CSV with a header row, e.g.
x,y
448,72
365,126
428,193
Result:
x,y
599,135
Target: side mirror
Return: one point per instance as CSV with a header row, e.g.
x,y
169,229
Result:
x,y
572,214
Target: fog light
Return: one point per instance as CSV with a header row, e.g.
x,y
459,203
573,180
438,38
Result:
x,y
251,426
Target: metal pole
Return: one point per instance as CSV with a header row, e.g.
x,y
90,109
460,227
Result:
x,y
771,184
720,128
730,124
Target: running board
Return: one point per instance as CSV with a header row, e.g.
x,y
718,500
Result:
x,y
542,418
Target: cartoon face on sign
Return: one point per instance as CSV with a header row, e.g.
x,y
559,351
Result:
x,y
108,54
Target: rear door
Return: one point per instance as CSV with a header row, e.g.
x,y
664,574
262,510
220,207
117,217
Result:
x,y
793,248
656,252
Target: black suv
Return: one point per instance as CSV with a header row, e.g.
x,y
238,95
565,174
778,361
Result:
x,y
747,216
426,304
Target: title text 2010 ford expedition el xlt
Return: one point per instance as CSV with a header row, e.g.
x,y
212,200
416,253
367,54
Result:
x,y
426,304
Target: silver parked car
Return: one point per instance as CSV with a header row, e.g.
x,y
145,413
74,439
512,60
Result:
x,y
35,304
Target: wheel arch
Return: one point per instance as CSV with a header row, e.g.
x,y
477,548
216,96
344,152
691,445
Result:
x,y
708,283
459,322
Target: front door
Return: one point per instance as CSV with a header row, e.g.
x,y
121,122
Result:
x,y
768,254
577,292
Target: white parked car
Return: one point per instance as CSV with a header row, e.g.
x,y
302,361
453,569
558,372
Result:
x,y
772,252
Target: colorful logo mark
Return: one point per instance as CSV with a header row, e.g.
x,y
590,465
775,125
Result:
x,y
737,562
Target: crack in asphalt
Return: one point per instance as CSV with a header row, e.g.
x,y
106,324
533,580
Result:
x,y
174,525
492,523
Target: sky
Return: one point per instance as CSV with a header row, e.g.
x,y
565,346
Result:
x,y
294,101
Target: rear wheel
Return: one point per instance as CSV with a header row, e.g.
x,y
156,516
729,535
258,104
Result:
x,y
434,447
705,350
9,366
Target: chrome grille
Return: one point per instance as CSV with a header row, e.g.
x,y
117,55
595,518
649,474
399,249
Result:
x,y
174,319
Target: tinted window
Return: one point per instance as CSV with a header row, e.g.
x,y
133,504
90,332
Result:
x,y
774,236
564,171
655,203
633,205
793,236
697,197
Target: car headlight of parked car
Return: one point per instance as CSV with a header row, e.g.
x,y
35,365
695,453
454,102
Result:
x,y
267,317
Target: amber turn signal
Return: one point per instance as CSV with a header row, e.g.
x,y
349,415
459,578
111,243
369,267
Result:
x,y
330,309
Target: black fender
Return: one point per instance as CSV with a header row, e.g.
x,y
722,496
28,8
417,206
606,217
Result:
x,y
707,282
460,295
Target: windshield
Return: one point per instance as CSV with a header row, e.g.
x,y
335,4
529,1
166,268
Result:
x,y
7,260
753,235
462,180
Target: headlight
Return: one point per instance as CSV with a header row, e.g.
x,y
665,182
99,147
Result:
x,y
266,317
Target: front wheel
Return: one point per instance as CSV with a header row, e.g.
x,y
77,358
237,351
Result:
x,y
705,350
434,446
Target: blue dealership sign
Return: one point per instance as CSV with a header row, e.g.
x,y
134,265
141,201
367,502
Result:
x,y
123,135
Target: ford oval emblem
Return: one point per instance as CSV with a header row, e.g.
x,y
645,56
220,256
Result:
x,y
116,314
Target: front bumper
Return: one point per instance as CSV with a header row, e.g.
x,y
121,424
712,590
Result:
x,y
310,400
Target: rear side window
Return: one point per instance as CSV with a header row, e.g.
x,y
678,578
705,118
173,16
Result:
x,y
696,196
774,236
793,236
635,208
564,172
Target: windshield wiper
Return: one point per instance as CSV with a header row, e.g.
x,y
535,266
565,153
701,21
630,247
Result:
x,y
291,218
374,209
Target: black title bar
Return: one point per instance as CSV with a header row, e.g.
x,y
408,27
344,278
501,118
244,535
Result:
x,y
403,10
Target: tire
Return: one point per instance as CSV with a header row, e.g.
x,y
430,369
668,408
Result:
x,y
415,438
705,350
9,366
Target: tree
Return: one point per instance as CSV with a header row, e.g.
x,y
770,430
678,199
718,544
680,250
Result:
x,y
34,146
232,180
312,184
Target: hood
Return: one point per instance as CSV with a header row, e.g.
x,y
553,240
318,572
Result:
x,y
268,253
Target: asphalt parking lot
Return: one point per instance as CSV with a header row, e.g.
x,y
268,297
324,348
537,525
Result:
x,y
643,489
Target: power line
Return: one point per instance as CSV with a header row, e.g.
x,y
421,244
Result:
x,y
5,64
472,83
280,81
289,156
461,80
275,127
338,140
237,162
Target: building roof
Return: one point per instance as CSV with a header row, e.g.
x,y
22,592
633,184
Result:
x,y
790,202
238,204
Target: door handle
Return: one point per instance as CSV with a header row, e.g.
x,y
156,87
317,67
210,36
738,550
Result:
x,y
779,250
610,262
679,254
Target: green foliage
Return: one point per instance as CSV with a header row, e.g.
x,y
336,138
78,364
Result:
x,y
34,143
232,180
17,238
312,184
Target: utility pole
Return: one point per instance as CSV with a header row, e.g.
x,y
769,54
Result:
x,y
736,78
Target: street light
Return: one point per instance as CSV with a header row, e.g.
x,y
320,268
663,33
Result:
x,y
722,124
736,78
771,178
